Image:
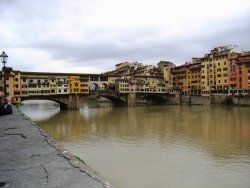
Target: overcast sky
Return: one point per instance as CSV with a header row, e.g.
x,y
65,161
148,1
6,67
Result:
x,y
91,36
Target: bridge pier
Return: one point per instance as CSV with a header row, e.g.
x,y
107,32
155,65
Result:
x,y
131,99
73,103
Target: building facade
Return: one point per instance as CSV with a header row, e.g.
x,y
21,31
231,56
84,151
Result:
x,y
225,70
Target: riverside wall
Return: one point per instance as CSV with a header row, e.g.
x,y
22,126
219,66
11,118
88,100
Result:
x,y
215,99
30,158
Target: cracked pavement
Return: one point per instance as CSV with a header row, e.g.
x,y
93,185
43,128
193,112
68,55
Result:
x,y
30,158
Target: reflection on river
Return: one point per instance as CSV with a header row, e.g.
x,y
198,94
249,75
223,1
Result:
x,y
156,146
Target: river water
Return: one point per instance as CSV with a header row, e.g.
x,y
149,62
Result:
x,y
155,146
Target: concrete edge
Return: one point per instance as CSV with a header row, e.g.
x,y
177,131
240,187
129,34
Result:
x,y
73,161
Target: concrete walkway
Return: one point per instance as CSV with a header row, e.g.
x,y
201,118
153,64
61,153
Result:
x,y
30,158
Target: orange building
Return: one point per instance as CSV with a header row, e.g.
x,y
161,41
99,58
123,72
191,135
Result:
x,y
244,72
239,73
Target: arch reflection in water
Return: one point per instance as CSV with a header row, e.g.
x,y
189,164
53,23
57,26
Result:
x,y
40,109
159,146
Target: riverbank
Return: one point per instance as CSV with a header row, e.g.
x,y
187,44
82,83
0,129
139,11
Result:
x,y
214,99
30,158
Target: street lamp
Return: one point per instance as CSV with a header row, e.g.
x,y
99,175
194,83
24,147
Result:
x,y
4,58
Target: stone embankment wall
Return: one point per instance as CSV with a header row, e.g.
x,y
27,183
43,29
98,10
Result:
x,y
241,100
195,100
231,100
215,99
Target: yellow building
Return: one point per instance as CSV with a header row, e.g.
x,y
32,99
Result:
x,y
205,86
219,74
215,71
24,87
13,84
52,85
180,81
74,84
194,78
16,98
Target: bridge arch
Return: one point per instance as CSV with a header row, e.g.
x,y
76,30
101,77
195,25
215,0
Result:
x,y
63,105
65,101
152,98
117,101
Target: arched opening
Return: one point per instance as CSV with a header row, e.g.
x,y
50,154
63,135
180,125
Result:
x,y
152,99
104,86
116,101
44,101
93,87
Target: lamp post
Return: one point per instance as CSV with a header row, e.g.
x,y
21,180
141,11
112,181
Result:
x,y
4,58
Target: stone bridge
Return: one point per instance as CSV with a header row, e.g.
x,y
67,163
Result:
x,y
66,102
73,101
130,99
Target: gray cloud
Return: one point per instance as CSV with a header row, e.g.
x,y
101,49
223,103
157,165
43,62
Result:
x,y
178,49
